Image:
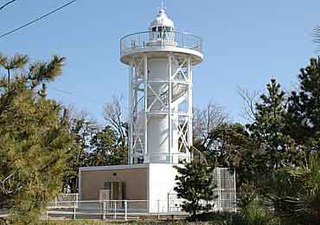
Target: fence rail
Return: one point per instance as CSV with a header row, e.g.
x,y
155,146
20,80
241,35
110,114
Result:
x,y
100,209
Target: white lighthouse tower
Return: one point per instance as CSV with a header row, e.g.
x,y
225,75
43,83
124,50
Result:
x,y
161,61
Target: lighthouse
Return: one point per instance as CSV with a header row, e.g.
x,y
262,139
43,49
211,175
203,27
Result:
x,y
160,61
160,127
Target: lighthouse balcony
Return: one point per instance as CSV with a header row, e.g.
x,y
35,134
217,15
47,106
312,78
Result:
x,y
150,41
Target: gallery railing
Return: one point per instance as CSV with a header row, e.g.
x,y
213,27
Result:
x,y
147,39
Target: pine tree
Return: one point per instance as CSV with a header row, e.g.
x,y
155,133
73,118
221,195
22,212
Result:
x,y
34,137
304,110
195,186
287,130
268,127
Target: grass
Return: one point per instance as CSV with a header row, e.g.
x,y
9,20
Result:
x,y
99,222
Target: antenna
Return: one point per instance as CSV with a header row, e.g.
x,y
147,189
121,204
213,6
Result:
x,y
163,4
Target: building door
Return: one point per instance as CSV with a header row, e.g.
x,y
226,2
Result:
x,y
116,190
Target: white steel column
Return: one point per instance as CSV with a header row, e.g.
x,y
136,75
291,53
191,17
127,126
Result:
x,y
190,114
131,102
169,108
146,110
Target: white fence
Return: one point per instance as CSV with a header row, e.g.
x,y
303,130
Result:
x,y
102,209
65,201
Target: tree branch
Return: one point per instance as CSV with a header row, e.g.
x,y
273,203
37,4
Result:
x,y
249,103
3,183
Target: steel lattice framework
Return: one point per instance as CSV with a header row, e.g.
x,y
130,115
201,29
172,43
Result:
x,y
168,98
161,61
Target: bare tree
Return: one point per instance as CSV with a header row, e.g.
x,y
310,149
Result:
x,y
83,129
249,103
207,119
113,114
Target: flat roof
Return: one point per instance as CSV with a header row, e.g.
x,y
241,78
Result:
x,y
113,167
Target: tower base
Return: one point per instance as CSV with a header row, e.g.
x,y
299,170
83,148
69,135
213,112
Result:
x,y
146,187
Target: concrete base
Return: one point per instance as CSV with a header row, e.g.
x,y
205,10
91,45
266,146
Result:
x,y
153,183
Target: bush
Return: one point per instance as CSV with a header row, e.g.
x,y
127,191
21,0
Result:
x,y
223,218
256,213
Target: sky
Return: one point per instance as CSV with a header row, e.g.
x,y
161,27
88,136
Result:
x,y
246,43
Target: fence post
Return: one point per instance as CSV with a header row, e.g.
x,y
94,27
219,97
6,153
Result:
x,y
56,202
104,206
77,198
125,210
74,210
107,207
158,205
115,210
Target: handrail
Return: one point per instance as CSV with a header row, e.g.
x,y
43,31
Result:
x,y
176,32
146,39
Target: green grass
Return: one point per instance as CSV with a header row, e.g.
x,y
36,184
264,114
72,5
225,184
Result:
x,y
99,222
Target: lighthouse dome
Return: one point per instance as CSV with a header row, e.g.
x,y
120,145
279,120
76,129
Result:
x,y
162,20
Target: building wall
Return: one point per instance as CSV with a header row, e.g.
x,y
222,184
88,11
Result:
x,y
152,182
161,183
92,181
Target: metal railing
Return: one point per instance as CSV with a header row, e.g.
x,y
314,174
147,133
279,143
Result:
x,y
64,200
164,157
146,39
110,210
98,209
